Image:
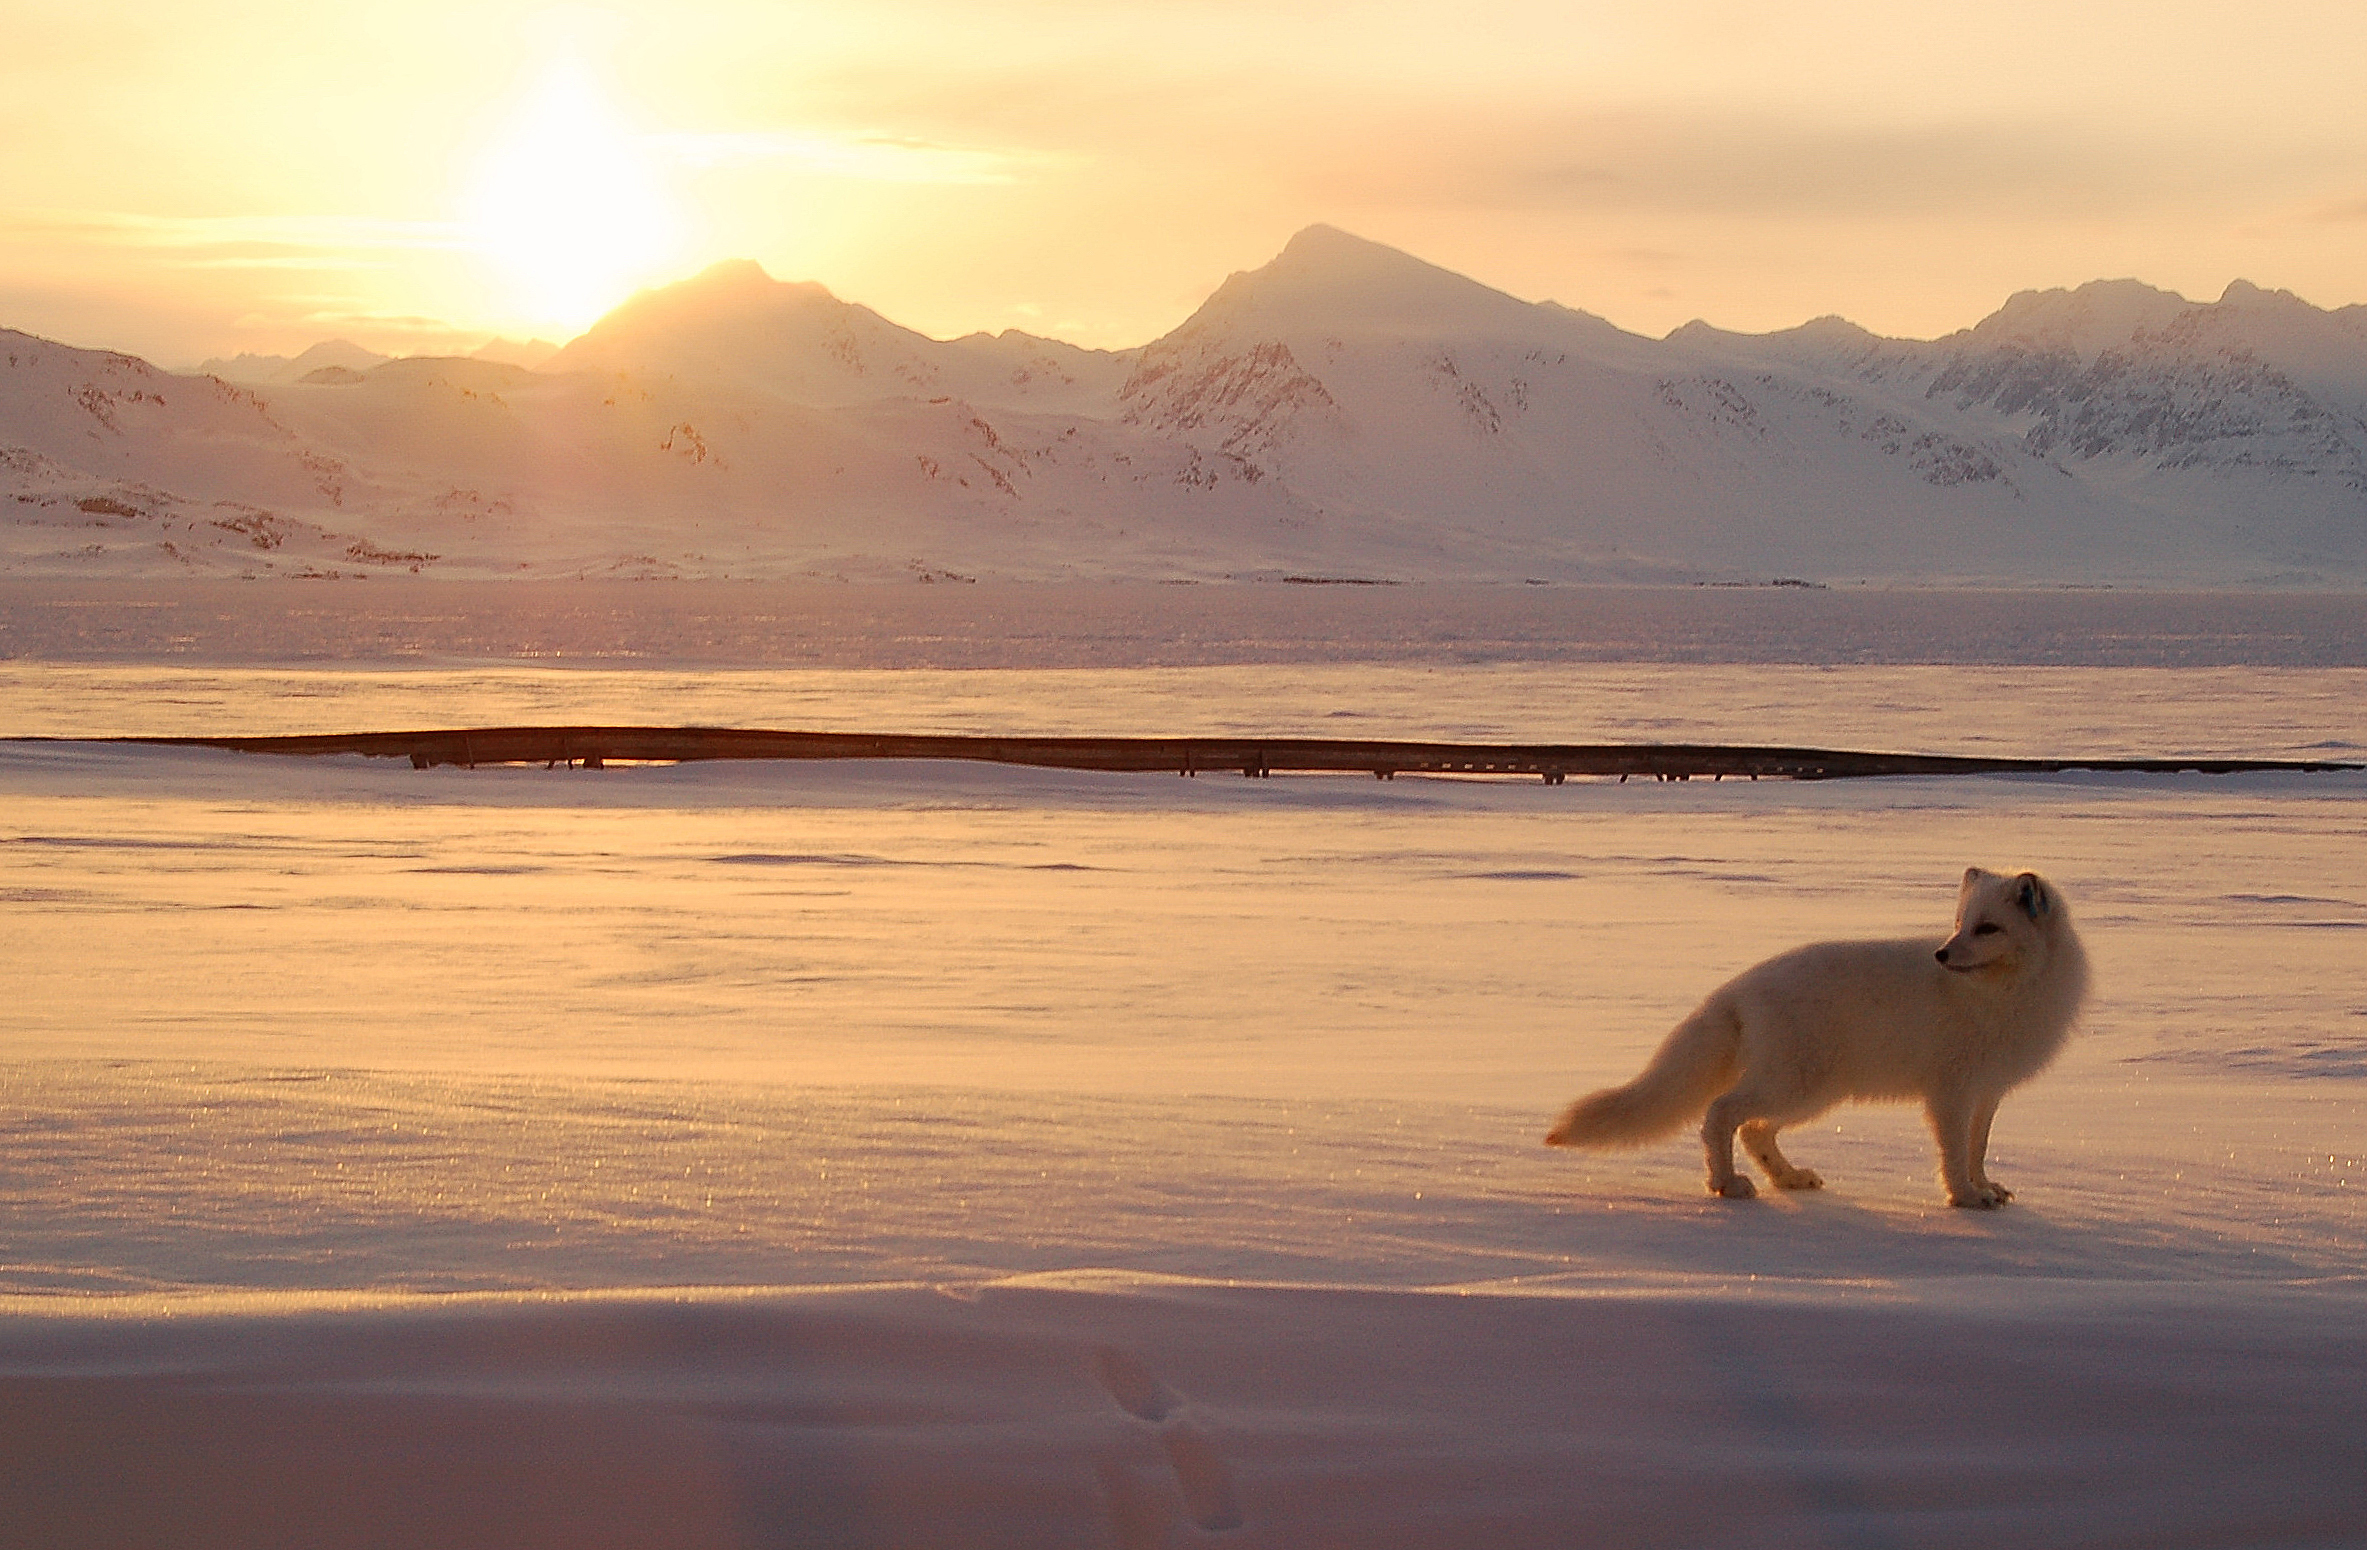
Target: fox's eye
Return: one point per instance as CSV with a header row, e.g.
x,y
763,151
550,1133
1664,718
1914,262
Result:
x,y
1987,928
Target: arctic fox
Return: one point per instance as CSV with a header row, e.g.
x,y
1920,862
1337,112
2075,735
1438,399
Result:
x,y
1956,1023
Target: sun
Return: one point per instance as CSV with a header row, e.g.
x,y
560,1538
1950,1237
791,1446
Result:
x,y
569,206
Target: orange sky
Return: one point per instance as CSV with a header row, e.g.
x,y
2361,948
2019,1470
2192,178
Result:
x,y
201,177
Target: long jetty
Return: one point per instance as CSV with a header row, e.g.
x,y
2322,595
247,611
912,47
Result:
x,y
596,747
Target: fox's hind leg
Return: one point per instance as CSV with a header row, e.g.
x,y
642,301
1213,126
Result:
x,y
1758,1138
1757,1108
1717,1145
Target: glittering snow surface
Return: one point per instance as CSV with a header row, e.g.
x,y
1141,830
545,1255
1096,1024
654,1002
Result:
x,y
943,1155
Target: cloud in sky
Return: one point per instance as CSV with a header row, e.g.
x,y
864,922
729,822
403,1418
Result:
x,y
881,158
1748,167
208,238
1109,162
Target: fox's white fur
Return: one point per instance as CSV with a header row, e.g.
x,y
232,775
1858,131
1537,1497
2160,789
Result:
x,y
1956,1024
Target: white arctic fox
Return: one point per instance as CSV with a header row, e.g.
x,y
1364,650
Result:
x,y
1956,1023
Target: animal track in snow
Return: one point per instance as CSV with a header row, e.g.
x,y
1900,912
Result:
x,y
1201,1473
1135,1387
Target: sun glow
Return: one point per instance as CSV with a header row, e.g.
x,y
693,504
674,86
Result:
x,y
569,204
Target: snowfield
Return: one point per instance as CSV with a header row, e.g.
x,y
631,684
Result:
x,y
949,1155
1343,411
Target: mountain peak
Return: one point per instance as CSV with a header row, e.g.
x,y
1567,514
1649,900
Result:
x,y
709,321
1832,331
2099,315
342,353
1371,271
1329,246
2243,293
1333,282
528,353
733,284
732,271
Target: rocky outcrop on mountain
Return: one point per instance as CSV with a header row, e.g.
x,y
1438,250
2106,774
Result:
x,y
2186,388
1345,410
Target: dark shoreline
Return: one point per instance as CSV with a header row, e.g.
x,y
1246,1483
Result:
x,y
594,747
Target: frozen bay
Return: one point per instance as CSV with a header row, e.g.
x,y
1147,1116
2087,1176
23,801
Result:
x,y
897,1154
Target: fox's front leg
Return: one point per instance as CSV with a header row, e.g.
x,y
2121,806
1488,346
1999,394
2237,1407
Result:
x,y
1952,1127
1982,1116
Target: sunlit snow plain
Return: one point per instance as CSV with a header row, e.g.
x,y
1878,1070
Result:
x,y
944,1154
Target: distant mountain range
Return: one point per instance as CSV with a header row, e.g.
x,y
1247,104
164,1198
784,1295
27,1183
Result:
x,y
1345,412
334,356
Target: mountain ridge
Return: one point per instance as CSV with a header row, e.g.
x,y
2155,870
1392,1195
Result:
x,y
1345,408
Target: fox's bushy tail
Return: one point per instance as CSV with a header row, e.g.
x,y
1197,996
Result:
x,y
1695,1063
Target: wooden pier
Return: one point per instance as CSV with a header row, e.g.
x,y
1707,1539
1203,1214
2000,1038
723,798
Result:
x,y
595,747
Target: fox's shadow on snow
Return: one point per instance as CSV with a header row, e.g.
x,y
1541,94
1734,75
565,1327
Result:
x,y
1878,1232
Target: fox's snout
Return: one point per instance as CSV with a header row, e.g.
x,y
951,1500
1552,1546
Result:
x,y
1959,956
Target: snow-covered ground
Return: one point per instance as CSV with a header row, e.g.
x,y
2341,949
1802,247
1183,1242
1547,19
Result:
x,y
942,1155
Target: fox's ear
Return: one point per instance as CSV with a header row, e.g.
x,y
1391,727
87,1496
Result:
x,y
1972,875
2030,894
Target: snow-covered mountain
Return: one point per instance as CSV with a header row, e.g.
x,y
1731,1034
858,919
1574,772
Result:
x,y
1345,411
331,355
529,353
735,324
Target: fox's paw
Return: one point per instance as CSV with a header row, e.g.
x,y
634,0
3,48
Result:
x,y
1981,1197
1735,1188
1800,1178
